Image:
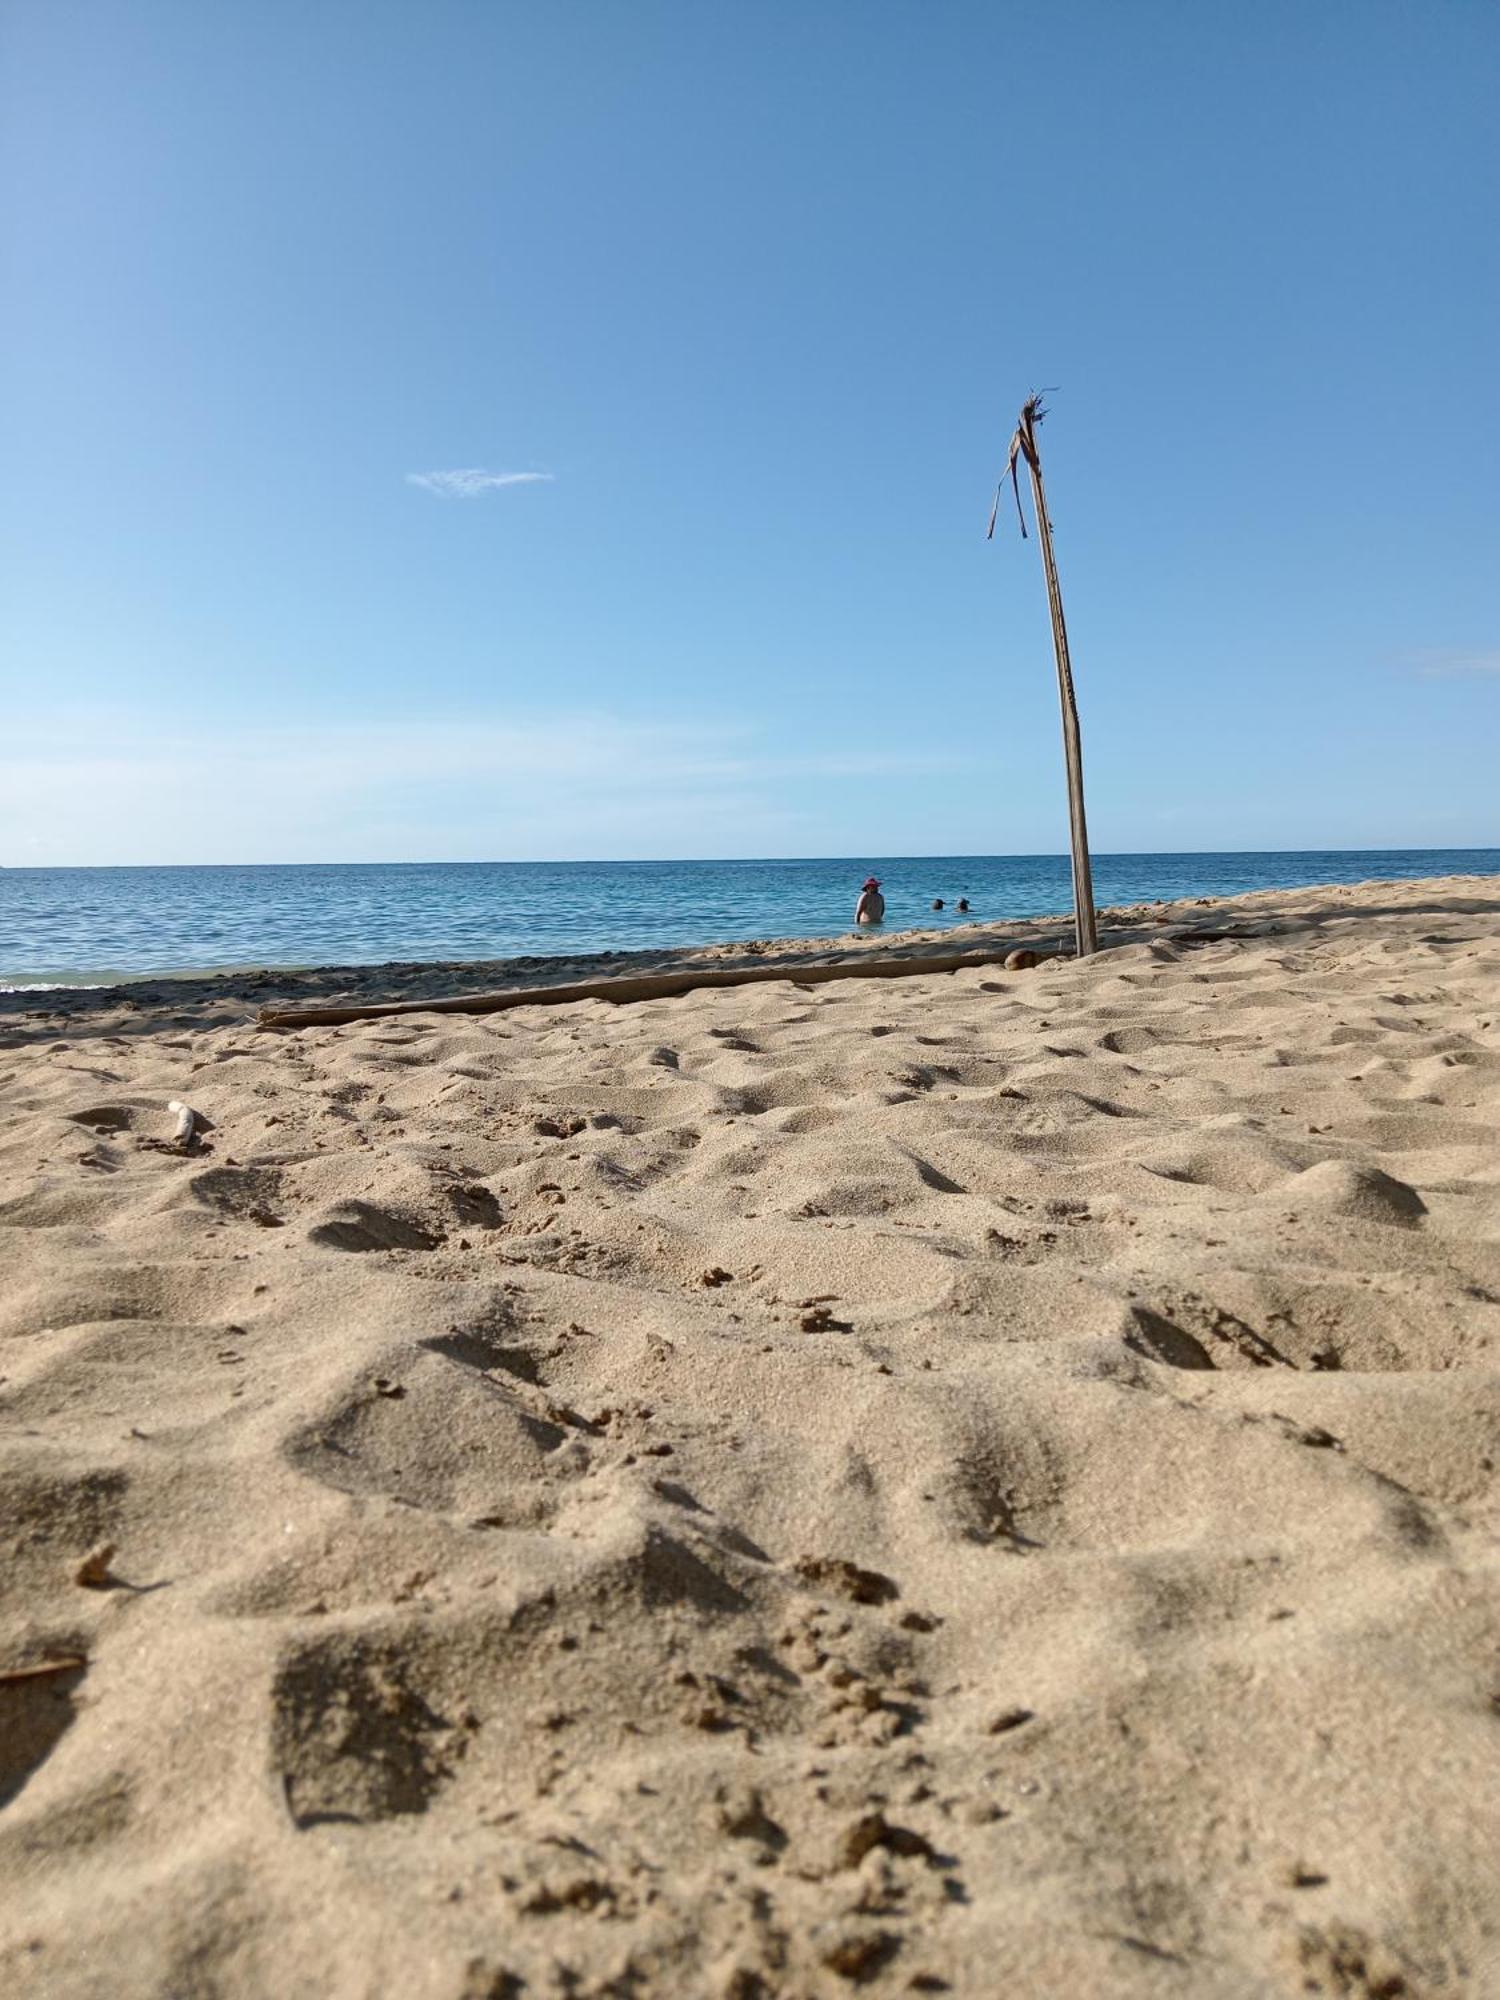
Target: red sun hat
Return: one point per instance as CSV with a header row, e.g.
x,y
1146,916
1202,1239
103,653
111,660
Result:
x,y
871,882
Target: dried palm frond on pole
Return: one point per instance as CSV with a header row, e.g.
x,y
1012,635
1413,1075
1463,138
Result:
x,y
1023,445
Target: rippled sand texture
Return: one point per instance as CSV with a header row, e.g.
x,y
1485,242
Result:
x,y
981,1484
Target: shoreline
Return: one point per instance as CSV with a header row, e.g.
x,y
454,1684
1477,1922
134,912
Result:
x,y
236,994
65,945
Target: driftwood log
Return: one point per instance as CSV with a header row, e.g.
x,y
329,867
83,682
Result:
x,y
667,985
646,986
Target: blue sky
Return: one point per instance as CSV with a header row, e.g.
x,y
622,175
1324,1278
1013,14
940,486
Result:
x,y
755,290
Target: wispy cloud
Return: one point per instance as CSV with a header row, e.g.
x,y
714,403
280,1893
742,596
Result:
x,y
471,482
1454,663
549,785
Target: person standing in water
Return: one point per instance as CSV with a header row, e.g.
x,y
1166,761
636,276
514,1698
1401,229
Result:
x,y
870,909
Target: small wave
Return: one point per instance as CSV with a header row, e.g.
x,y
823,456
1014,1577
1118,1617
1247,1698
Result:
x,y
57,985
95,979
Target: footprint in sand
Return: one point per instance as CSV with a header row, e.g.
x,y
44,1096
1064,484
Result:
x,y
361,1226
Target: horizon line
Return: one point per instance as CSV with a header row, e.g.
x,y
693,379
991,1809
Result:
x,y
860,860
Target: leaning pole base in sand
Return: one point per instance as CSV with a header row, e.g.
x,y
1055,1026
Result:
x,y
649,986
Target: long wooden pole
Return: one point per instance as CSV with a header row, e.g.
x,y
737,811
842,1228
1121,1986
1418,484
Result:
x,y
1083,874
1024,442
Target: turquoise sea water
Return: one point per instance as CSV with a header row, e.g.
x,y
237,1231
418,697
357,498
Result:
x,y
93,925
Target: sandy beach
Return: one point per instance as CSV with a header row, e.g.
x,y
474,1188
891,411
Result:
x,y
979,1484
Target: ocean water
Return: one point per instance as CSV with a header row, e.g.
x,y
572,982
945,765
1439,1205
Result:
x,y
86,926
